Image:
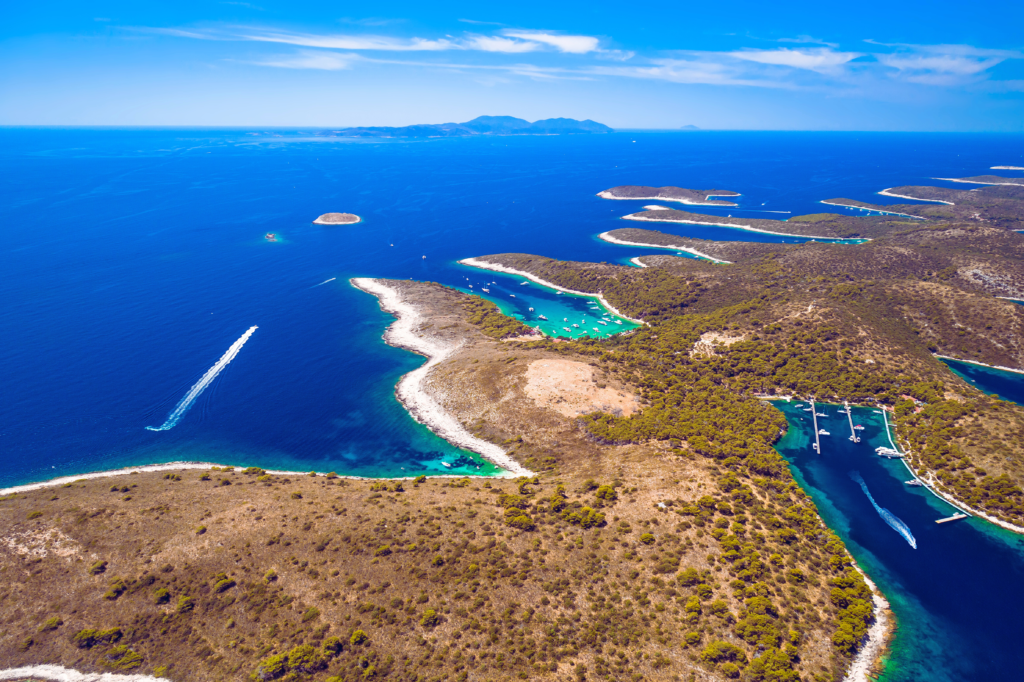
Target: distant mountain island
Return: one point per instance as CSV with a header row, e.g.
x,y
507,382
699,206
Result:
x,y
481,125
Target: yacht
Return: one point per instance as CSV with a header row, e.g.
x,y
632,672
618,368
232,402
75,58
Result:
x,y
512,295
531,310
542,317
859,427
618,321
575,325
602,322
823,432
486,291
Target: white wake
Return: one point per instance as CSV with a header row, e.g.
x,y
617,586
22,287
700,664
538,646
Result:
x,y
182,407
323,282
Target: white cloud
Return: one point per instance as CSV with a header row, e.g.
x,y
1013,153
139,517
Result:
x,y
499,44
348,42
811,59
320,61
563,43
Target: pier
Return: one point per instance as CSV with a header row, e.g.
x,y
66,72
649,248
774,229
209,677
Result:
x,y
849,415
954,517
817,437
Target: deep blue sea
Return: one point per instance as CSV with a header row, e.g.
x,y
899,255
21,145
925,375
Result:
x,y
999,382
133,260
957,597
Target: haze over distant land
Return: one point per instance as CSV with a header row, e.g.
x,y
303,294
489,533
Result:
x,y
481,125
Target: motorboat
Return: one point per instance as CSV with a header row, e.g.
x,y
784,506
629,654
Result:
x,y
823,432
542,317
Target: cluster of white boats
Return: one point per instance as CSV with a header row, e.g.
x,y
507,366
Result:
x,y
604,320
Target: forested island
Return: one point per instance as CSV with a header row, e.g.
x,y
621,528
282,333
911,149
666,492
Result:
x,y
697,197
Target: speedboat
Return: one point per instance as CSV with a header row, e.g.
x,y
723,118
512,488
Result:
x,y
566,329
486,291
602,322
859,427
823,432
523,284
512,295
542,317
576,325
270,237
531,310
618,321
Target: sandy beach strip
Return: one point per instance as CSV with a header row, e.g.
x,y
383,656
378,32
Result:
x,y
873,210
484,265
1020,168
748,228
604,236
724,204
636,261
887,193
61,674
410,391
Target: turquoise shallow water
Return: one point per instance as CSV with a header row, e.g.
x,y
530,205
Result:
x,y
958,597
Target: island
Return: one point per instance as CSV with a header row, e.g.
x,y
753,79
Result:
x,y
697,197
482,125
337,219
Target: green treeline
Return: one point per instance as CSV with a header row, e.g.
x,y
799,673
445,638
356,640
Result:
x,y
491,320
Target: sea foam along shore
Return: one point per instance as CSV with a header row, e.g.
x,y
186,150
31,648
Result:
x,y
748,228
872,210
410,390
607,195
876,638
60,674
484,265
1007,168
699,254
887,193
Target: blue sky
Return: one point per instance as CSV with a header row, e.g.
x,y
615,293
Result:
x,y
738,65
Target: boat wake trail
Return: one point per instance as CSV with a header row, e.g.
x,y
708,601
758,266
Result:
x,y
185,403
323,282
894,522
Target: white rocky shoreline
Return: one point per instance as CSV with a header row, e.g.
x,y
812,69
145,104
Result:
x,y
61,674
605,236
410,391
748,228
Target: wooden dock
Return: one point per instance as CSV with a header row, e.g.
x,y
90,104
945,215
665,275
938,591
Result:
x,y
849,415
817,436
954,517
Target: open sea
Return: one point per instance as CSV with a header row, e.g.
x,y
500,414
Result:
x,y
135,266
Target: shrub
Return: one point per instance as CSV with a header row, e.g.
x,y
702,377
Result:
x,y
692,638
51,624
296,496
204,477
161,595
121,658
358,637
265,478
522,522
270,576
98,567
272,667
223,584
606,493
722,651
332,645
647,539
200,530
86,639
311,613
430,619
437,561
383,550
34,515
185,604
117,588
